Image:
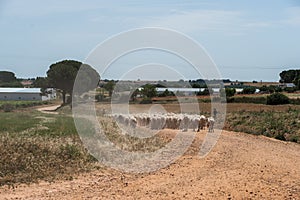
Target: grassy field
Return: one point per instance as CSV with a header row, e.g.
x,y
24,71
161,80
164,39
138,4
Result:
x,y
37,146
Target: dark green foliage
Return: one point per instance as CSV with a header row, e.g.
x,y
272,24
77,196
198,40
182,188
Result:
x,y
270,89
110,86
290,89
7,77
205,92
249,90
15,84
7,107
146,101
291,76
273,88
280,137
295,138
166,93
22,104
62,75
295,101
199,85
40,82
257,100
277,99
264,89
134,95
149,91
229,92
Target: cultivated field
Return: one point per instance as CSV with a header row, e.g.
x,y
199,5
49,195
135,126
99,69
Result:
x,y
44,150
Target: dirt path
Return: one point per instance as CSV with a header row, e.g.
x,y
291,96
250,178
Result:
x,y
49,109
241,166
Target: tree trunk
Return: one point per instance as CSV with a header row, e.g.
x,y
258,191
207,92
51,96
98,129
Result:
x,y
64,97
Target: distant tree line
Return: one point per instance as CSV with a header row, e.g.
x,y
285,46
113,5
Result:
x,y
8,79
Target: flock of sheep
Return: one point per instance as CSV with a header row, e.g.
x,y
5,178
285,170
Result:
x,y
169,121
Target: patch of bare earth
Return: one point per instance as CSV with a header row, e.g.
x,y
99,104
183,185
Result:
x,y
241,166
49,109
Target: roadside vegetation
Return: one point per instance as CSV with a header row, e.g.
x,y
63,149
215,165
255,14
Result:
x,y
37,146
282,125
8,106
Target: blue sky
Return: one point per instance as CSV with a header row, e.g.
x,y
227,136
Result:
x,y
248,40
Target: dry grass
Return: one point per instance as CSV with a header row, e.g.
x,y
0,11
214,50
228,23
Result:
x,y
282,125
36,147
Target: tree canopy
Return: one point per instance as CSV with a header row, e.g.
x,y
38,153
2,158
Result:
x,y
7,77
291,76
249,90
110,86
62,75
149,91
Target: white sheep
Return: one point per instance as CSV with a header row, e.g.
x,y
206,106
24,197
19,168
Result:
x,y
160,121
194,122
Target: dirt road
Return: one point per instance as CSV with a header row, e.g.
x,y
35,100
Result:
x,y
241,166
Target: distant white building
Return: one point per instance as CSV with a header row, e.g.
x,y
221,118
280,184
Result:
x,y
290,85
186,91
287,85
25,94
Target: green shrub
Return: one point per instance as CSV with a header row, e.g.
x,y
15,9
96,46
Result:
x,y
249,90
280,137
204,92
294,138
257,100
7,107
230,92
277,99
295,101
146,101
290,89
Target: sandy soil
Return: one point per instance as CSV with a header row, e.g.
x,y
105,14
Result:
x,y
48,109
241,166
